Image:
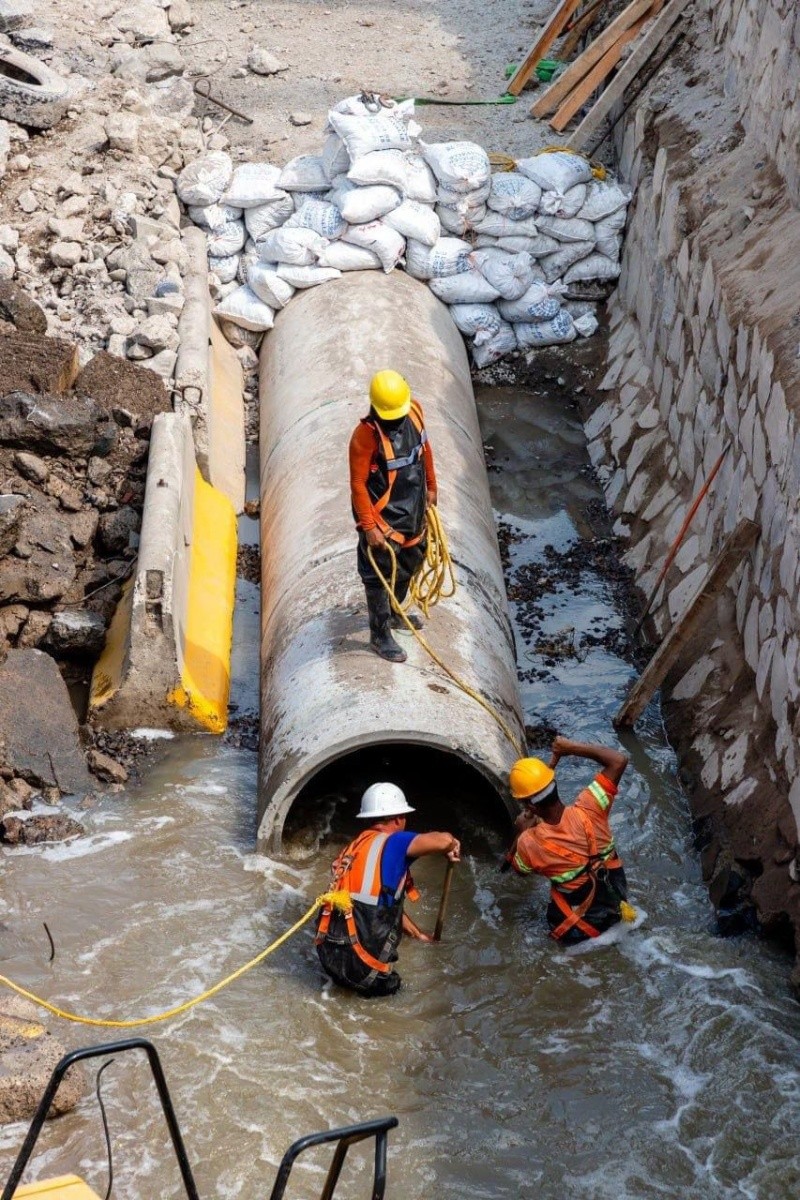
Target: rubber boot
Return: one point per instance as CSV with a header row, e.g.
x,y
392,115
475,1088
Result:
x,y
380,634
397,622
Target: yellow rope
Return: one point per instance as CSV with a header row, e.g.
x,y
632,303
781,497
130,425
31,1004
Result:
x,y
340,900
428,586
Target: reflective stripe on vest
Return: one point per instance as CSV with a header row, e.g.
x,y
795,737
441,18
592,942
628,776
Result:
x,y
397,464
357,870
371,876
599,794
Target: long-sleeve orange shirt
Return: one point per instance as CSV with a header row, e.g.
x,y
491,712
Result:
x,y
363,454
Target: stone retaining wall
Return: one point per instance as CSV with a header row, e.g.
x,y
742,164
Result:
x,y
704,351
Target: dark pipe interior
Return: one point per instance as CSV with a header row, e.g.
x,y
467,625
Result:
x,y
446,792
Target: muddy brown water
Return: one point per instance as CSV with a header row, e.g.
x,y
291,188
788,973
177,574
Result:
x,y
664,1064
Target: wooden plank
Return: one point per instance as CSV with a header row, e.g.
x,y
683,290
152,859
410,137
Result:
x,y
580,94
551,31
627,73
698,609
575,72
578,27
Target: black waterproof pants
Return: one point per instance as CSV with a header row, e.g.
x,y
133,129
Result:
x,y
378,605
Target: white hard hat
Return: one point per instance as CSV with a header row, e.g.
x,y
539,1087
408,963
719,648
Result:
x,y
383,800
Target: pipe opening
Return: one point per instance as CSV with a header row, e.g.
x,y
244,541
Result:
x,y
446,791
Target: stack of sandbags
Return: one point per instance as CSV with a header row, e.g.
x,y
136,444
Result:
x,y
501,250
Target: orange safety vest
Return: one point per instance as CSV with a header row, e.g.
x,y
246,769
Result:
x,y
574,917
357,871
393,465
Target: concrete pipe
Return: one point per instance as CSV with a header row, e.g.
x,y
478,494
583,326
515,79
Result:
x,y
324,694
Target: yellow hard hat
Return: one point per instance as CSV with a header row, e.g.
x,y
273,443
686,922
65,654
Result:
x,y
390,395
531,780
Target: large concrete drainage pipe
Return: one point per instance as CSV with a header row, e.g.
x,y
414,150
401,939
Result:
x,y
323,693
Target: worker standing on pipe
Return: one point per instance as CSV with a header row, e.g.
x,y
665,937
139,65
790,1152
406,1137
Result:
x,y
357,939
572,846
392,484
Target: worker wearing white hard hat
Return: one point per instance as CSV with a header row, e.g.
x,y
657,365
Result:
x,y
357,938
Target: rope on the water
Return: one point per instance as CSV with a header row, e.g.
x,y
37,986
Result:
x,y
340,900
433,581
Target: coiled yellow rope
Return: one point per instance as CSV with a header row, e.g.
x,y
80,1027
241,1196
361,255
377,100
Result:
x,y
339,900
435,580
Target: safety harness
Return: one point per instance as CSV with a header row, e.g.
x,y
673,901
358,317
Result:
x,y
393,465
596,868
357,874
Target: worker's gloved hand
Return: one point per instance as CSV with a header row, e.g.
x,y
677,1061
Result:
x,y
375,538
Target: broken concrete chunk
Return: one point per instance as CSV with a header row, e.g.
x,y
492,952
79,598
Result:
x,y
33,38
28,1056
11,510
49,424
31,467
115,528
14,14
106,768
35,629
76,632
261,62
123,132
41,736
65,254
180,15
17,306
32,829
145,20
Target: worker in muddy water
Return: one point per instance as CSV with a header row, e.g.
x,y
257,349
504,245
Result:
x,y
572,845
392,484
357,939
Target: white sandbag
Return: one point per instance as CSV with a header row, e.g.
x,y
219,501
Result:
x,y
586,324
244,308
609,244
366,104
461,201
344,257
546,333
566,229
608,234
267,284
514,195
476,318
262,220
485,352
306,277
468,287
299,198
248,256
448,257
380,239
238,337
306,173
460,166
556,171
225,269
500,227
567,205
602,199
538,304
335,159
405,170
321,216
364,134
415,220
213,217
509,273
555,265
537,246
594,266
221,243
253,184
301,247
358,205
204,181
225,289
460,221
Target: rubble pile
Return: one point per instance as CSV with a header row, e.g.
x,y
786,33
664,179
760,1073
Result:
x,y
511,252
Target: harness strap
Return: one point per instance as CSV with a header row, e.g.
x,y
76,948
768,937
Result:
x,y
392,467
368,959
573,917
